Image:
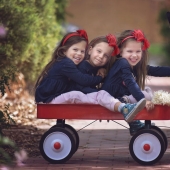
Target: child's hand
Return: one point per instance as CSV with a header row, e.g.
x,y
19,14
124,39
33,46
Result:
x,y
101,72
149,105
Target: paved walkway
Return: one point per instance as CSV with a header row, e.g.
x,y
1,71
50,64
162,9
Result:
x,y
105,145
102,145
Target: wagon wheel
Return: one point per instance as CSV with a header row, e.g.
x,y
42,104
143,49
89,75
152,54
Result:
x,y
147,147
157,129
73,132
57,145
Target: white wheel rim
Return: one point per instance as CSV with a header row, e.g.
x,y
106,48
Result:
x,y
63,151
154,145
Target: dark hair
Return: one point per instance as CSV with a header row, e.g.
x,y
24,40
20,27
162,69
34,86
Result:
x,y
93,43
58,53
141,67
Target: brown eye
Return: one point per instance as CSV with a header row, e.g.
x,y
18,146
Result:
x,y
75,49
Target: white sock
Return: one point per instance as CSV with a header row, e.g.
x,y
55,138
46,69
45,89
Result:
x,y
121,106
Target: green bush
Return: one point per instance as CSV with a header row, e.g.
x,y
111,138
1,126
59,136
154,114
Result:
x,y
165,32
5,157
60,10
32,34
156,49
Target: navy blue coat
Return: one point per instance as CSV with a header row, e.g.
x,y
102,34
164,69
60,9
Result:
x,y
121,81
86,68
58,79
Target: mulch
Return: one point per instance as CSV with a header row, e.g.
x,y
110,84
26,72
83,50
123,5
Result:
x,y
27,130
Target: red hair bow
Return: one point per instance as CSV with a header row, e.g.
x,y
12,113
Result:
x,y
81,33
139,36
112,42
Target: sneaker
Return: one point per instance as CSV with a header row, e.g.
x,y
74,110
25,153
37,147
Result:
x,y
124,100
136,125
129,111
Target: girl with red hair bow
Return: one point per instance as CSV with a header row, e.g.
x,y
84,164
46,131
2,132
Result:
x,y
128,73
98,54
54,79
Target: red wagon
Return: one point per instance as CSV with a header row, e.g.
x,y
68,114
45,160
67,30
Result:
x,y
61,141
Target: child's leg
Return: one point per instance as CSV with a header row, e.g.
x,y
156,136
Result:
x,y
103,98
106,100
147,93
129,111
137,124
74,97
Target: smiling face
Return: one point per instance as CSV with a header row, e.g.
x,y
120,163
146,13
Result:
x,y
76,52
100,54
132,52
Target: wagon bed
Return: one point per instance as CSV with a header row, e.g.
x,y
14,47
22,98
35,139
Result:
x,y
93,112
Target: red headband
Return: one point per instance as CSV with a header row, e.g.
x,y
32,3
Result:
x,y
112,42
81,33
139,36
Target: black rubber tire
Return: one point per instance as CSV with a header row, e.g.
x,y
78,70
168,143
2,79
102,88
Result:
x,y
45,136
138,135
75,135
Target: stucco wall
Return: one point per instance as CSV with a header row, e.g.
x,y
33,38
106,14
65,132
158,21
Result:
x,y
99,17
